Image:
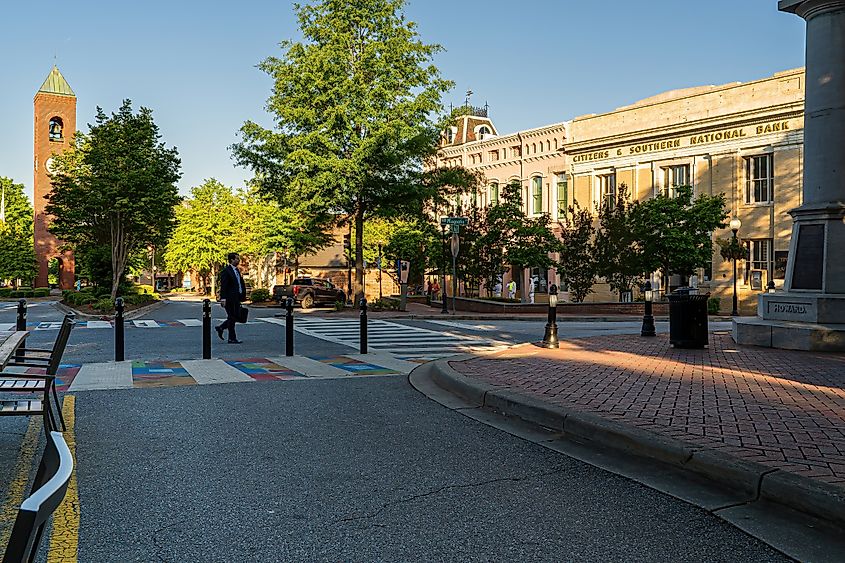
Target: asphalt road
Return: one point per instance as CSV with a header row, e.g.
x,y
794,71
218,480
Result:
x,y
355,469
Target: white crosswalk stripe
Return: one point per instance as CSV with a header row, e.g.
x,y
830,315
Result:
x,y
402,341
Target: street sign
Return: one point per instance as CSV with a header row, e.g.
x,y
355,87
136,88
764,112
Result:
x,y
455,229
454,220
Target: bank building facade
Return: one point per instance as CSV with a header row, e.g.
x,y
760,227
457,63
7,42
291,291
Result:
x,y
744,140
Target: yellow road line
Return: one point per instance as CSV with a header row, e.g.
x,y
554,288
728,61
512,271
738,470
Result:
x,y
18,485
64,538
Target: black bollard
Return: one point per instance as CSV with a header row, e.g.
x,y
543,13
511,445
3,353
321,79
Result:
x,y
118,329
648,317
550,339
21,321
206,329
363,326
289,327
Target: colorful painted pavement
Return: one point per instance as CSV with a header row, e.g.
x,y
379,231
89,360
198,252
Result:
x,y
262,369
160,374
354,367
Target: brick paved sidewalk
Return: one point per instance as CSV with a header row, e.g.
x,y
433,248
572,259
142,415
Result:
x,y
779,408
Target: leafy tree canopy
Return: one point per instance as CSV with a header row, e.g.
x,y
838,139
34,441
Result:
x,y
577,267
17,256
619,254
675,232
116,187
353,105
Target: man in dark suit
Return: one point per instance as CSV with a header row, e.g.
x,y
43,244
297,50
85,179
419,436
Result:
x,y
232,293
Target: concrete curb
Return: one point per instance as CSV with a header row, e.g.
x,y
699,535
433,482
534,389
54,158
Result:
x,y
757,481
128,316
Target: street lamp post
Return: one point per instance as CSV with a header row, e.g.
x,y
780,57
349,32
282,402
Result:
x,y
445,308
648,317
550,337
735,225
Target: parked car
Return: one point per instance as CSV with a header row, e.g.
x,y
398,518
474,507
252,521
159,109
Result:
x,y
308,292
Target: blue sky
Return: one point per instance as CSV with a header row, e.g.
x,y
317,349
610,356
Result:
x,y
534,61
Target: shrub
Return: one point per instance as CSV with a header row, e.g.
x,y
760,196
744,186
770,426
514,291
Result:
x,y
5,291
141,288
105,305
713,306
41,292
259,295
339,305
77,298
87,289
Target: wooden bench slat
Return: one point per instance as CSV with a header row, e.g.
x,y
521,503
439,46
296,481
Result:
x,y
21,407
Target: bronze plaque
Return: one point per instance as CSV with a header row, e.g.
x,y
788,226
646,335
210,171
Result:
x,y
809,258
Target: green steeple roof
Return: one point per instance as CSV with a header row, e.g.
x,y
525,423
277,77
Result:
x,y
56,84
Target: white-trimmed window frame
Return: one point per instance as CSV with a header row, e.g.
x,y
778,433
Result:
x,y
753,178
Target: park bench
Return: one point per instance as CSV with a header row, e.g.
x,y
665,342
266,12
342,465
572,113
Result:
x,y
36,383
48,491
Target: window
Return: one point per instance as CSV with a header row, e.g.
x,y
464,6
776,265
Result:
x,y
474,198
673,177
607,189
536,195
759,255
55,129
483,132
759,179
494,193
562,195
516,151
494,156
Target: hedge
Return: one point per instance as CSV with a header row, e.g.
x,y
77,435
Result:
x,y
259,295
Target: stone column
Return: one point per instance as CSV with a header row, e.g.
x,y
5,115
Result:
x,y
818,235
810,313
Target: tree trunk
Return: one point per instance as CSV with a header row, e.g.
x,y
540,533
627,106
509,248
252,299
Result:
x,y
213,276
118,255
359,254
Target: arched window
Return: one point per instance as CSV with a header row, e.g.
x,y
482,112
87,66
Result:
x,y
450,134
494,193
483,132
536,195
56,127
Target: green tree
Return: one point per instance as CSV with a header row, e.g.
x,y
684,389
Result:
x,y
353,105
288,231
525,242
116,187
17,255
619,254
675,232
577,267
207,229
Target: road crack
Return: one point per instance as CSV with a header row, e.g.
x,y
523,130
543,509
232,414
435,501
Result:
x,y
433,492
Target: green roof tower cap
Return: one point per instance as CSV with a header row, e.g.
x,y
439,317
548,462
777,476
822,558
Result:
x,y
56,84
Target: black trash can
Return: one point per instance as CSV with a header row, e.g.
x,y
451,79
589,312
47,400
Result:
x,y
688,326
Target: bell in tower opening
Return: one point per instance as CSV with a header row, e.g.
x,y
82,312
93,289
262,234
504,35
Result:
x,y
56,129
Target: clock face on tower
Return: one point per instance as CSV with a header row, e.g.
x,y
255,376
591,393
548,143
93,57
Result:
x,y
50,165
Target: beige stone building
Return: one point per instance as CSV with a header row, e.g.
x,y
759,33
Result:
x,y
741,139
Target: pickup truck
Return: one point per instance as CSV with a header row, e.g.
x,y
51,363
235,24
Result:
x,y
308,292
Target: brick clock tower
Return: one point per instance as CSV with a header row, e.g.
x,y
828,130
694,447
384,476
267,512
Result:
x,y
55,125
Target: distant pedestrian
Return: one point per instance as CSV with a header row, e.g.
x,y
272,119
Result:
x,y
512,289
532,283
497,289
435,288
428,290
232,293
